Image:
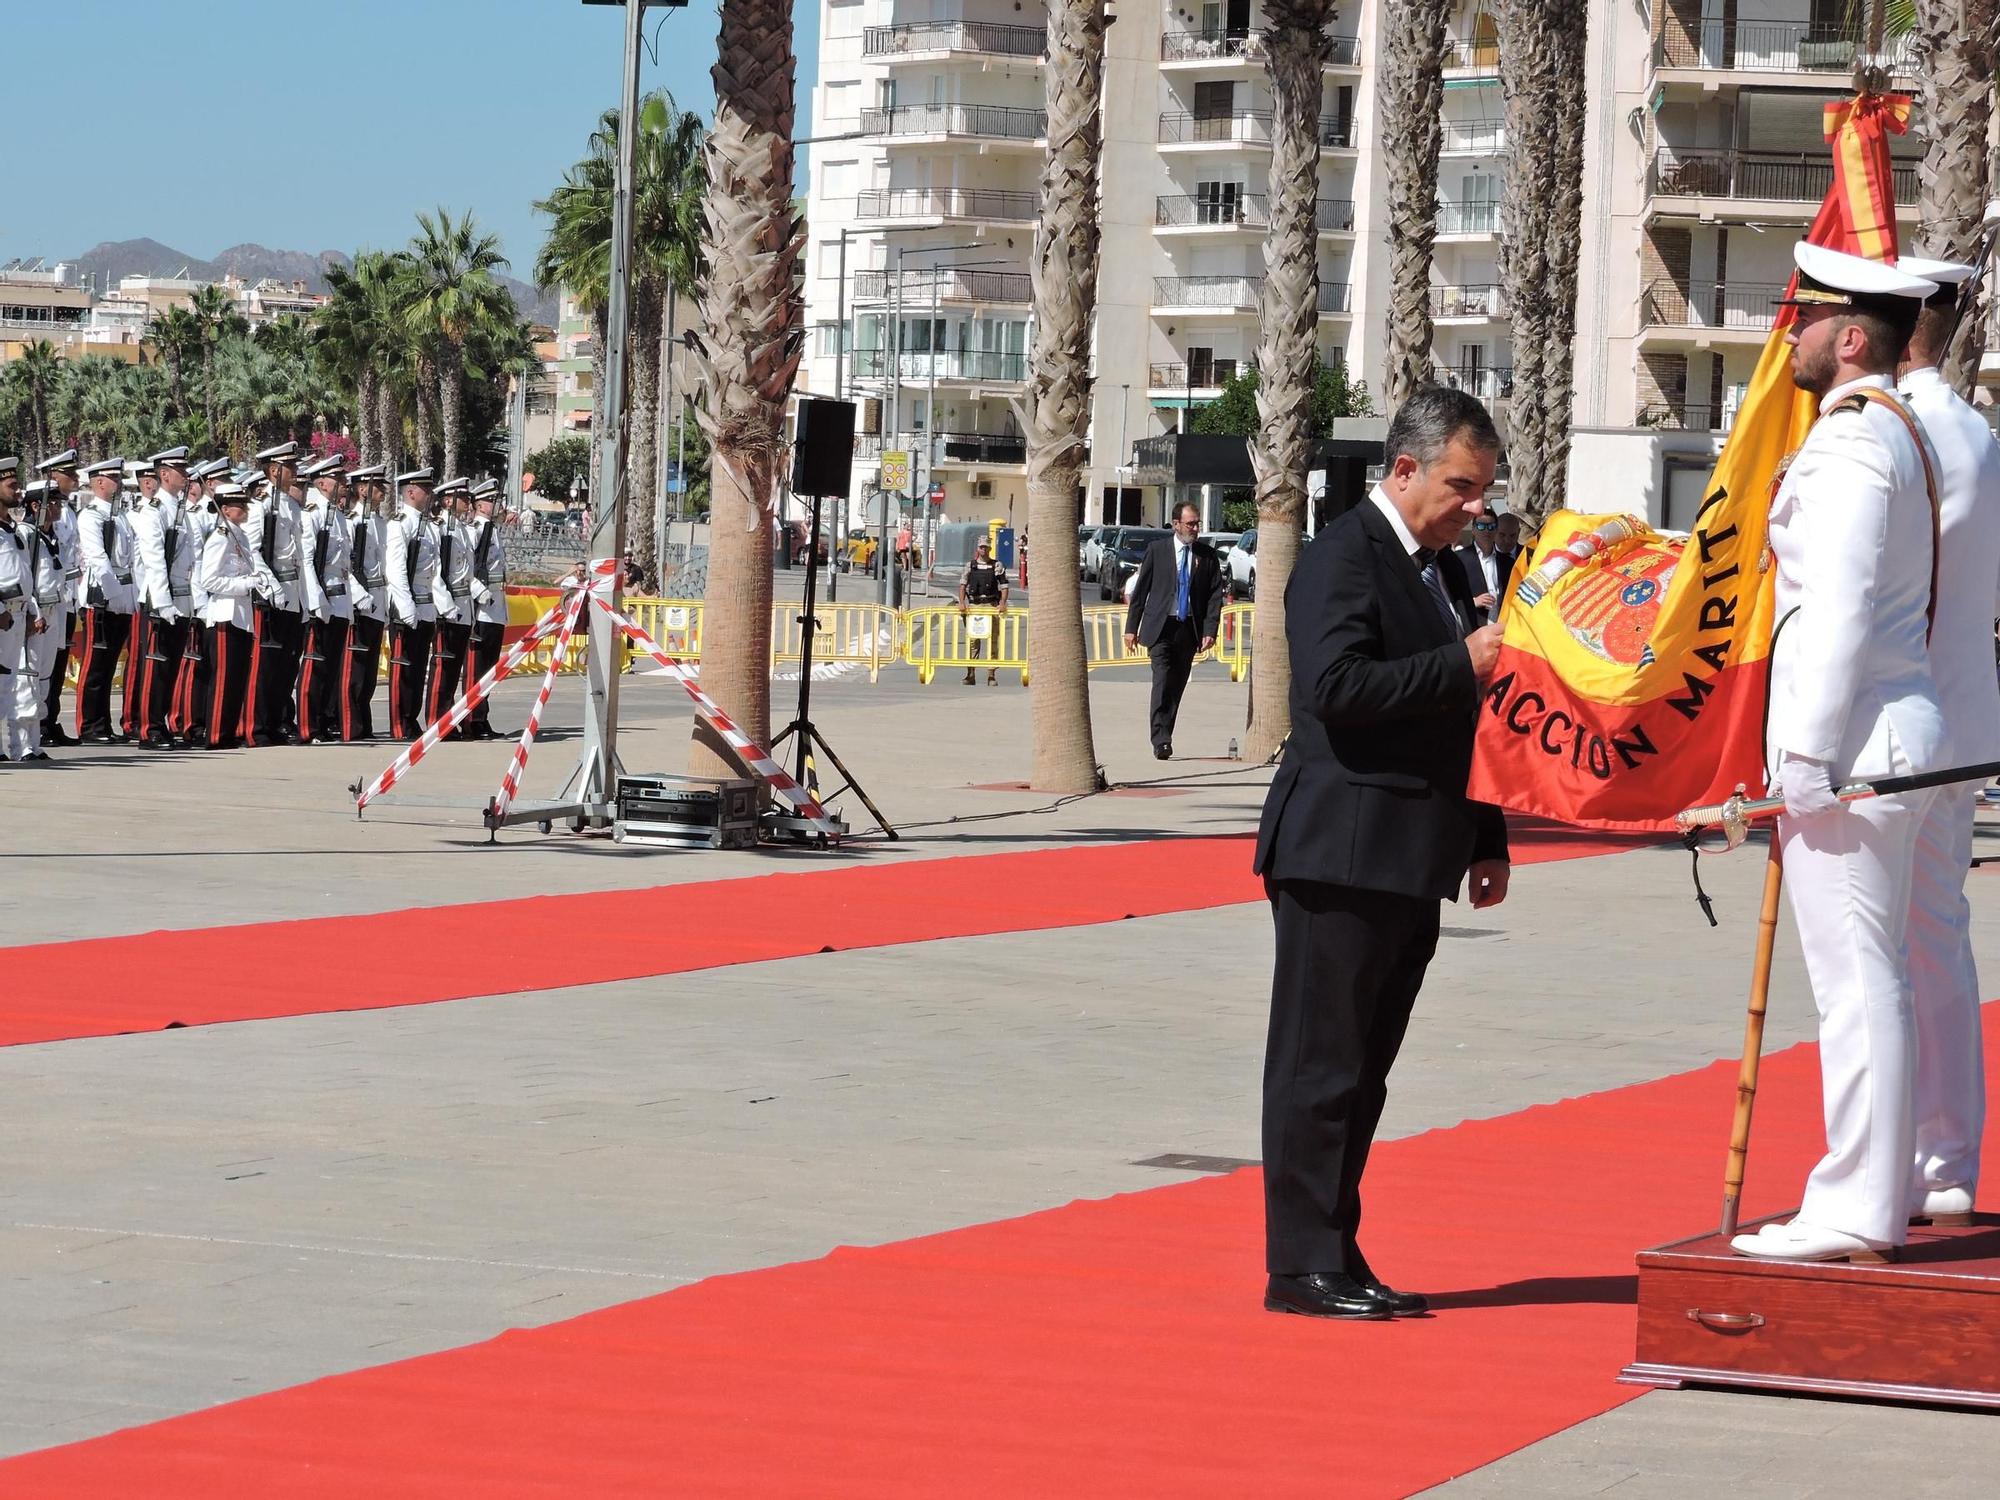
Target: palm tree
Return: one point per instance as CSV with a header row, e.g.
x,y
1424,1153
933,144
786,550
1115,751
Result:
x,y
1563,234
755,334
668,179
88,406
448,291
1957,41
177,337
32,381
1412,97
1064,284
1529,68
1296,47
357,335
214,310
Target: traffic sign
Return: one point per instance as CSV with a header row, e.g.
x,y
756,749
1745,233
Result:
x,y
936,495
896,470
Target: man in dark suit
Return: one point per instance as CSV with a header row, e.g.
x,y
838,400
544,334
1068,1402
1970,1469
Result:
x,y
1175,611
1366,830
1488,563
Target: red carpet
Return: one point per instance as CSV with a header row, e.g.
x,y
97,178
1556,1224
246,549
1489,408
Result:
x,y
1108,1348
108,986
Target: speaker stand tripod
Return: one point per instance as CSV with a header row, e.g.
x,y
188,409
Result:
x,y
802,732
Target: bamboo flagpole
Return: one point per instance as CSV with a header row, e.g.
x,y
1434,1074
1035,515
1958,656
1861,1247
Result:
x,y
1753,1041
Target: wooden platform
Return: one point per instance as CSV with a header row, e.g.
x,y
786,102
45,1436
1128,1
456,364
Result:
x,y
1923,1328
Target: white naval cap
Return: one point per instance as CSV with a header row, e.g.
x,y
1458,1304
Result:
x,y
279,453
1833,278
115,467
1948,274
369,472
176,457
229,492
328,465
422,477
67,459
486,489
9,465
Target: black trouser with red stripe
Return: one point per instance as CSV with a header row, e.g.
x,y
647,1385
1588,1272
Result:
x,y
227,660
187,711
409,655
320,680
447,666
103,635
274,664
487,637
52,694
157,652
360,665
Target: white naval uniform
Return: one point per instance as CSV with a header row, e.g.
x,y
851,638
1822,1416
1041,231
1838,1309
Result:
x,y
287,559
20,685
54,563
1851,685
490,596
152,521
368,585
230,572
1950,1099
410,566
197,523
104,549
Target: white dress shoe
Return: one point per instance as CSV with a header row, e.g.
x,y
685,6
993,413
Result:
x,y
1944,1207
1801,1241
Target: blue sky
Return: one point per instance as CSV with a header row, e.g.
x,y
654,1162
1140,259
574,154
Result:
x,y
207,123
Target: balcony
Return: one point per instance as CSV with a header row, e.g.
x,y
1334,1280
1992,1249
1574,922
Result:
x,y
1244,211
1790,47
1489,383
1209,376
964,205
949,285
964,366
1251,127
1754,176
1468,218
985,38
1476,303
1705,311
1003,122
1474,137
1477,56
1686,416
1234,294
1227,46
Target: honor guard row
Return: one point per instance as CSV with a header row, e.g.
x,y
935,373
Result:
x,y
246,606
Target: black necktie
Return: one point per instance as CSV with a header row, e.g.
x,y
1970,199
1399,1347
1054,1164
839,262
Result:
x,y
1434,584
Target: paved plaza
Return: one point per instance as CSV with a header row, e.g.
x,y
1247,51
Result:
x,y
195,1215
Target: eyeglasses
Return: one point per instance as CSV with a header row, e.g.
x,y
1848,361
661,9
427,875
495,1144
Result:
x,y
1485,525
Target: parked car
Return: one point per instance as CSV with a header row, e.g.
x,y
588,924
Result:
x,y
1224,543
1122,555
1090,553
1242,565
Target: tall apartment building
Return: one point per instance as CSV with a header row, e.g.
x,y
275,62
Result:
x,y
1704,163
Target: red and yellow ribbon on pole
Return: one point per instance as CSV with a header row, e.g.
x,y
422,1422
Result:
x,y
1634,666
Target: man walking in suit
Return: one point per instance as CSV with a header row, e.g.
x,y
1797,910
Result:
x,y
1175,610
1366,830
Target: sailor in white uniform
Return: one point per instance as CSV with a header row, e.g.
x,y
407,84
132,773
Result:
x,y
1950,1097
20,621
1853,532
410,568
104,634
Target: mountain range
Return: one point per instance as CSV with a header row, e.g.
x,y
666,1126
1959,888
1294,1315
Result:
x,y
108,262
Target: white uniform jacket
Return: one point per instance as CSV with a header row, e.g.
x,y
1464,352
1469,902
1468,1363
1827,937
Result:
x,y
55,583
367,568
104,549
1968,599
454,572
153,522
330,545
489,572
1851,530
17,581
410,564
229,573
282,549
197,522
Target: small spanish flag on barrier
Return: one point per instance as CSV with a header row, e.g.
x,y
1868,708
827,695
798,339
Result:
x,y
1634,666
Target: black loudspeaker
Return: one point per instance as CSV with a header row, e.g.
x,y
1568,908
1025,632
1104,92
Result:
x,y
823,448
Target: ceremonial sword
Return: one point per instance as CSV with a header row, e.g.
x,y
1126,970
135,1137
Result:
x,y
1735,815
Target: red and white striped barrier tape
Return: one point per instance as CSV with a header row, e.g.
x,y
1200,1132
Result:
x,y
754,755
418,748
510,784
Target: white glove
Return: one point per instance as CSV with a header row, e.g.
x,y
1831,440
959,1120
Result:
x,y
264,588
486,596
364,604
168,614
323,614
1806,785
280,596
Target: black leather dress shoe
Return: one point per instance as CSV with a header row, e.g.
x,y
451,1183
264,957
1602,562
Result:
x,y
1324,1294
1402,1304
1163,752
58,737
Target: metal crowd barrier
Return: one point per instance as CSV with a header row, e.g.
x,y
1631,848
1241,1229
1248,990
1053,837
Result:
x,y
864,634
939,636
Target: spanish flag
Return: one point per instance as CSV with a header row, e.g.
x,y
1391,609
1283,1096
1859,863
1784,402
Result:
x,y
1634,665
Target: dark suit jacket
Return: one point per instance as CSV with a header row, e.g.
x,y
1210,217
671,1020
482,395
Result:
x,y
1468,557
1153,592
1371,792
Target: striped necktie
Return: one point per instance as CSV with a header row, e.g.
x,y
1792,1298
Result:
x,y
1427,561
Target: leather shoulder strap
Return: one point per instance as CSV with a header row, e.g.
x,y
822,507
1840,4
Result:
x,y
1870,395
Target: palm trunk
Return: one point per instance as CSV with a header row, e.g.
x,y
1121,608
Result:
x,y
425,396
451,405
388,422
1064,279
1528,64
600,331
208,388
1296,46
1412,138
1564,238
755,325
642,470
364,414
1957,41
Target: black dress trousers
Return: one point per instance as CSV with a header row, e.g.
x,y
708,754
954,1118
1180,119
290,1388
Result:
x,y
1173,658
1348,967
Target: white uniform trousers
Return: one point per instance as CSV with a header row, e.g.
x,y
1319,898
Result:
x,y
20,690
1949,1106
1848,873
